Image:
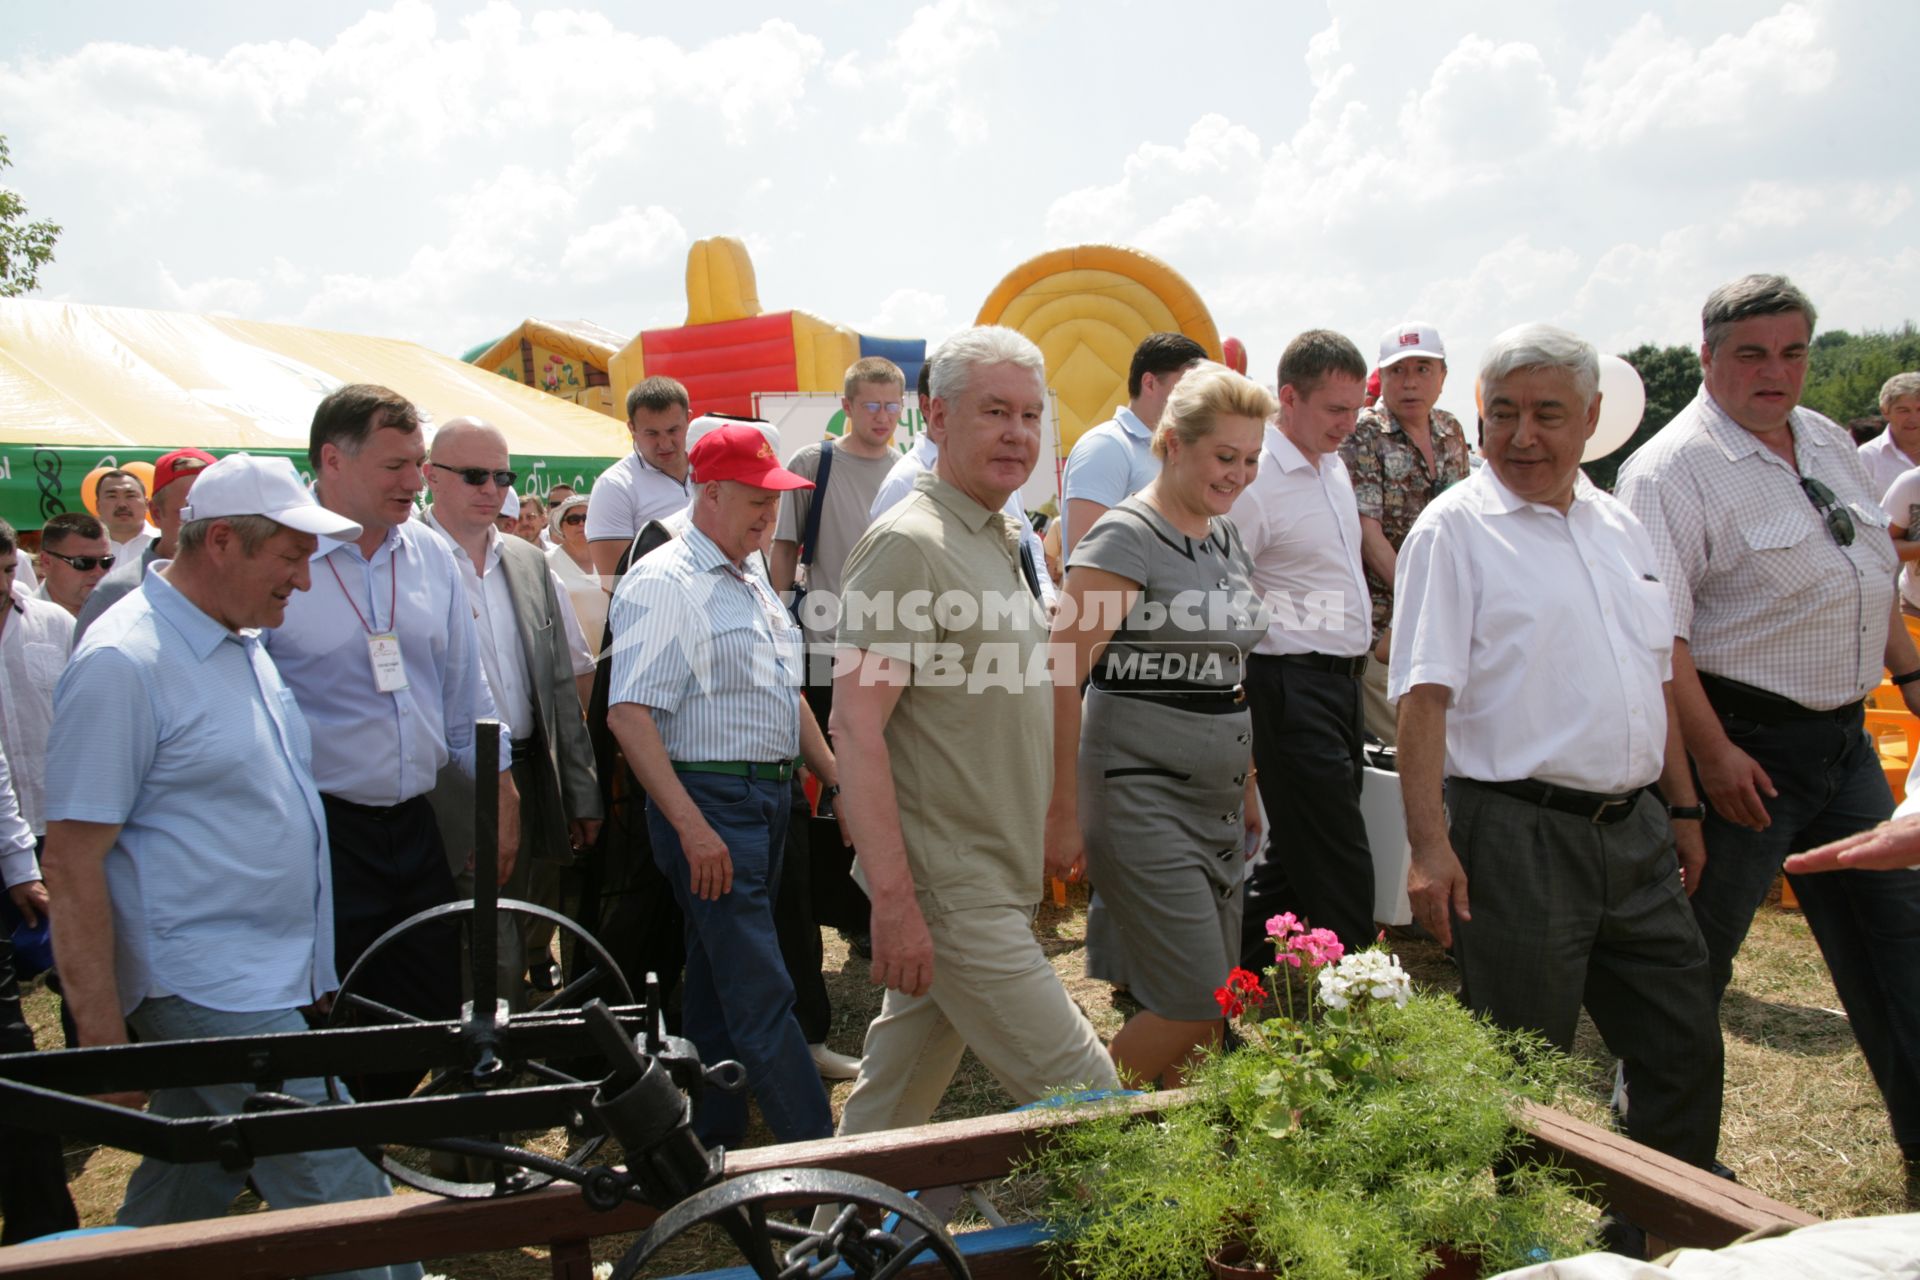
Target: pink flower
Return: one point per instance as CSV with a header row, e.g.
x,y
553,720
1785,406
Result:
x,y
1320,946
1282,925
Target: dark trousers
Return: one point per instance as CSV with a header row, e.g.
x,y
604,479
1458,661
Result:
x,y
738,1001
389,863
33,1174
1307,739
1567,912
628,905
835,882
793,924
1867,922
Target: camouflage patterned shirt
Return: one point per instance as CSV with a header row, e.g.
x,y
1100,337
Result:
x,y
1392,483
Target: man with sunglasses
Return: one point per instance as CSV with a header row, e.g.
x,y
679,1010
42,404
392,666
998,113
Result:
x,y
74,556
533,653
1781,574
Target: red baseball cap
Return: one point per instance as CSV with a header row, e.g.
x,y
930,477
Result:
x,y
181,462
739,452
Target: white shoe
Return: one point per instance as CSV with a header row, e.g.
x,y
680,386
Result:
x,y
831,1065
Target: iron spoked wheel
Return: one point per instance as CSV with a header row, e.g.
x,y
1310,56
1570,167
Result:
x,y
573,1142
778,1248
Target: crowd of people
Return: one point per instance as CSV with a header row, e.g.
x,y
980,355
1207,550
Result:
x,y
240,741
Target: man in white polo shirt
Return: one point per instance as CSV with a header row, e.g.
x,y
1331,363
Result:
x,y
651,483
1531,662
1298,521
1116,458
1895,451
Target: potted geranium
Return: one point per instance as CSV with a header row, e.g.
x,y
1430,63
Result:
x,y
1355,1133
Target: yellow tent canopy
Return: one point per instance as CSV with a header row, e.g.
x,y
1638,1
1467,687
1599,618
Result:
x,y
84,384
565,358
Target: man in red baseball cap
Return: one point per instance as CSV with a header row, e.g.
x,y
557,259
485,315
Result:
x,y
173,475
705,702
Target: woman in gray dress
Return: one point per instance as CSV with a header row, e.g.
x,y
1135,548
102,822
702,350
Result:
x,y
1155,789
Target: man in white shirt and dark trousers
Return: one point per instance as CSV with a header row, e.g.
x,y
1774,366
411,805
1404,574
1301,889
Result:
x,y
1532,649
651,483
382,656
1775,554
1299,522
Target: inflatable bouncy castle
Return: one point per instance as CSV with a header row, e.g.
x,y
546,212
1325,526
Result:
x,y
564,358
729,348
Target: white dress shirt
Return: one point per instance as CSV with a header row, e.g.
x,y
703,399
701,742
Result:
x,y
1884,462
18,863
33,653
132,547
1760,590
628,494
1301,525
1550,632
370,747
898,486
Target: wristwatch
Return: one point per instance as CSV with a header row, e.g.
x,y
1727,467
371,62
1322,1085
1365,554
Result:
x,y
1687,812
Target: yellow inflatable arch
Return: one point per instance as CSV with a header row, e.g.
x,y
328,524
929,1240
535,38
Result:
x,y
1087,308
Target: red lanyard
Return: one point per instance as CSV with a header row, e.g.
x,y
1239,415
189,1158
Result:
x,y
393,588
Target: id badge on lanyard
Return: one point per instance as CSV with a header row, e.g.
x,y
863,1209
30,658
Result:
x,y
383,647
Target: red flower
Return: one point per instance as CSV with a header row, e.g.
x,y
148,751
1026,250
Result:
x,y
1243,989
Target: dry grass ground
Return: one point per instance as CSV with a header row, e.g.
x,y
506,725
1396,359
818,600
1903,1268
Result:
x,y
1803,1121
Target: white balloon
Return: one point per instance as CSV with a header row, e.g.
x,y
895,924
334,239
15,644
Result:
x,y
1623,402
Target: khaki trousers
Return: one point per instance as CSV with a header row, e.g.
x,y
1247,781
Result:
x,y
993,992
1381,720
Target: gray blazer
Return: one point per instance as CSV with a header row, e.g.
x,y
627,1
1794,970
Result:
x,y
558,784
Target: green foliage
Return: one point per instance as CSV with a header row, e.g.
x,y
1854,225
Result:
x,y
1393,1153
25,246
1845,370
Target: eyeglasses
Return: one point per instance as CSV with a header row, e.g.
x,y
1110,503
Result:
x,y
575,517
477,476
875,406
85,564
1839,522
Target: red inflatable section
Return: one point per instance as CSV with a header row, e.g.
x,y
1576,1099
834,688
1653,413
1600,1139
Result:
x,y
723,364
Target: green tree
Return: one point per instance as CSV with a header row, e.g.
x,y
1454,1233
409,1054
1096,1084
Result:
x,y
1845,370
1671,376
25,246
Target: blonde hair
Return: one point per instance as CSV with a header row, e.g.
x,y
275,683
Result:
x,y
1207,393
873,369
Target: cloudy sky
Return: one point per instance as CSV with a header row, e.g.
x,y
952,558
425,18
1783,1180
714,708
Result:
x,y
440,171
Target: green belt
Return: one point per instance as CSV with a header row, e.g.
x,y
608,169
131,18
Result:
x,y
778,771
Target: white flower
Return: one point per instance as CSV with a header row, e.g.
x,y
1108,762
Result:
x,y
1376,973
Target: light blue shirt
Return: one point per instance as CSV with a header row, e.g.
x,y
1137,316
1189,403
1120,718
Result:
x,y
18,864
707,647
371,747
1110,462
181,733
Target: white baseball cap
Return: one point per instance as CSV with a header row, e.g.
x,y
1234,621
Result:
x,y
243,485
510,505
1411,338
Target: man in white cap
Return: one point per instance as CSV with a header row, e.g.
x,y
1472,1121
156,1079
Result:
x,y
1402,454
186,842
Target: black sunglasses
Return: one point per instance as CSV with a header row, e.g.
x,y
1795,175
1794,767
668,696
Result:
x,y
1839,522
477,476
85,564
574,517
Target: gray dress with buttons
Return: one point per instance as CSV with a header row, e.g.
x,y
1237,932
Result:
x,y
1162,774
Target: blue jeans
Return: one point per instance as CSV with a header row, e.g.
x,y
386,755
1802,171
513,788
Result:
x,y
160,1192
1867,922
737,1000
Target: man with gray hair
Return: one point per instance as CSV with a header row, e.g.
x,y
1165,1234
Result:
x,y
187,843
946,745
1775,555
1531,658
1896,450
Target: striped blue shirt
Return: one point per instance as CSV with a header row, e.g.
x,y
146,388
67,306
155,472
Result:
x,y
707,646
181,733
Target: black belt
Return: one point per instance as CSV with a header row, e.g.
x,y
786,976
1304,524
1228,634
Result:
x,y
1206,702
1595,806
378,812
1731,698
1352,668
522,749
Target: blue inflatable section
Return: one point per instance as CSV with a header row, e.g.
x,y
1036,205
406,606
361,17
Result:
x,y
908,353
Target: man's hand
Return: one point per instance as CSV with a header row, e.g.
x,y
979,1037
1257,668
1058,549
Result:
x,y
1691,846
1066,849
582,832
30,898
1250,816
1891,846
709,865
1734,783
1437,888
902,949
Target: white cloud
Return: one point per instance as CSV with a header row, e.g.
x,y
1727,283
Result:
x,y
911,312
928,69
634,238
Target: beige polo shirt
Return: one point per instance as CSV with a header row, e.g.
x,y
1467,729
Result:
x,y
936,582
